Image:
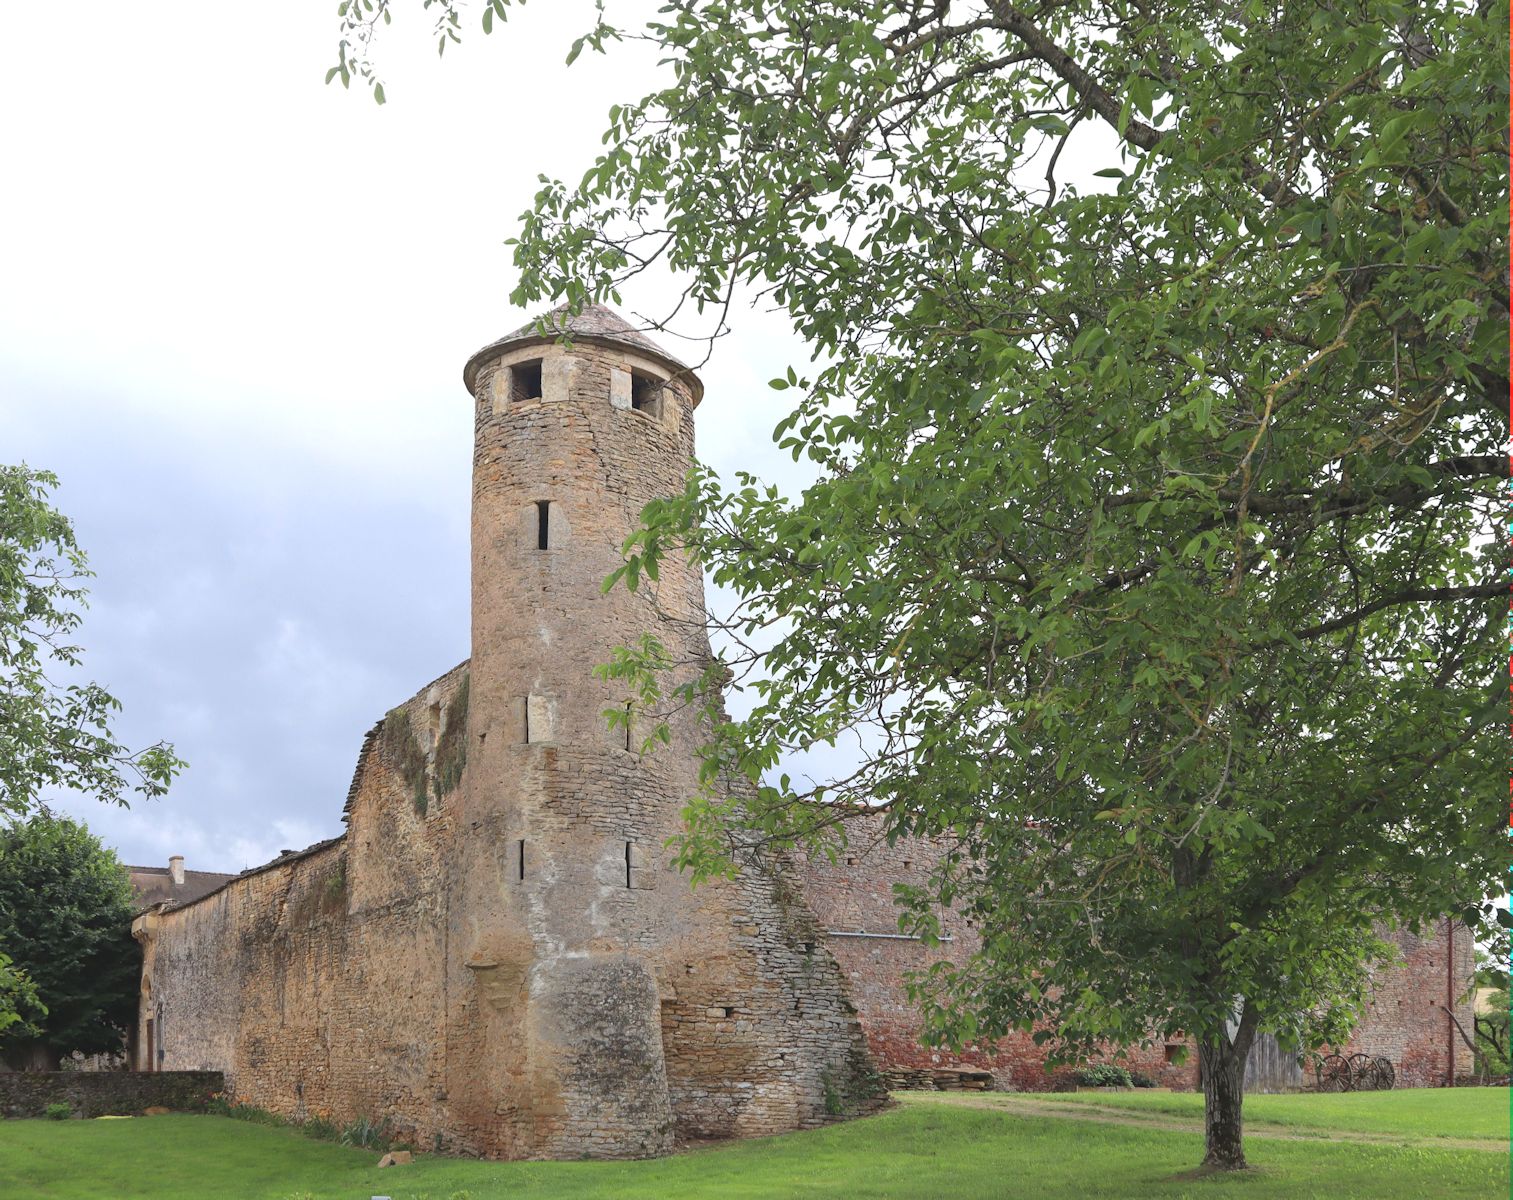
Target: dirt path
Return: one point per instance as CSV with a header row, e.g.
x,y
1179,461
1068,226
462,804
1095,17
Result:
x,y
1022,1104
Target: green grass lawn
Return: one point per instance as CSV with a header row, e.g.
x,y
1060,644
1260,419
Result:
x,y
1480,1113
916,1151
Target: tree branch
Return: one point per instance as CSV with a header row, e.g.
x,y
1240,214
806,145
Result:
x,y
1478,591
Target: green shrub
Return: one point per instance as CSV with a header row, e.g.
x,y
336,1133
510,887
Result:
x,y
321,1130
1141,1080
366,1133
834,1105
59,1112
1103,1075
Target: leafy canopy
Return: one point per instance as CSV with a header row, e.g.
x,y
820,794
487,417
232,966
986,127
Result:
x,y
65,920
1160,351
52,734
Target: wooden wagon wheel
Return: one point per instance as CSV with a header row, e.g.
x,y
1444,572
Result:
x,y
1362,1072
1334,1074
1385,1075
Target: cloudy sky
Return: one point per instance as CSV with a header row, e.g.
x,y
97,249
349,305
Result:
x,y
234,309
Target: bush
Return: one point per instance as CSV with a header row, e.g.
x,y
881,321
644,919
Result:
x,y
1103,1075
58,1112
321,1130
1141,1080
366,1133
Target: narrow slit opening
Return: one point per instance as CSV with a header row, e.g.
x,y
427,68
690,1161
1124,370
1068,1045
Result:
x,y
520,858
628,706
543,524
627,864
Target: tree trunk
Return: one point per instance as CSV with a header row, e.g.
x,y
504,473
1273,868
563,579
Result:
x,y
1223,1067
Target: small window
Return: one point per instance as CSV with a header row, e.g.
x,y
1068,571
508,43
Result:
x,y
646,394
850,861
1170,1053
520,858
628,846
525,380
543,524
729,1011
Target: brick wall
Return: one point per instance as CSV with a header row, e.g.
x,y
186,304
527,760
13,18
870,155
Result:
x,y
1406,1019
1403,1022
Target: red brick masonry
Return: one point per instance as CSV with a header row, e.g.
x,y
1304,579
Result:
x,y
1405,1021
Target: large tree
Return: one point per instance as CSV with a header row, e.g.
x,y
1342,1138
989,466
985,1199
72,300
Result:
x,y
54,734
1157,422
65,921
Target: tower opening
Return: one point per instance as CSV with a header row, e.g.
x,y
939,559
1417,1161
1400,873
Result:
x,y
520,860
525,380
543,524
628,846
646,394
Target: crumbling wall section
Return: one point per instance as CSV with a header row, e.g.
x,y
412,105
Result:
x,y
316,983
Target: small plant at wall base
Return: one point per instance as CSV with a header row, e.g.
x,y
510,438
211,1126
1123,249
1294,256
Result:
x,y
1103,1075
833,1105
367,1134
58,1112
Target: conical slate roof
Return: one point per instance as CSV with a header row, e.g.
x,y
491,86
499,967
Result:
x,y
596,323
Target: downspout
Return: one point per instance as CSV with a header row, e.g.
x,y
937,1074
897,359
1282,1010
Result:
x,y
1450,998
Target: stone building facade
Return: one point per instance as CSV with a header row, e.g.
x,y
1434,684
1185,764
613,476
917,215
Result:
x,y
496,956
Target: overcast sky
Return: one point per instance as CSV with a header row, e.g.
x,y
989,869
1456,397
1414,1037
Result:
x,y
234,309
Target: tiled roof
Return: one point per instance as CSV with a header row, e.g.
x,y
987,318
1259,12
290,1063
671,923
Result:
x,y
153,885
595,322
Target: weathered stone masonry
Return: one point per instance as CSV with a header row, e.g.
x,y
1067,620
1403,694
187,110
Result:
x,y
496,956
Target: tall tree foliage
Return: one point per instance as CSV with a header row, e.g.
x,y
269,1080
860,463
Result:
x,y
65,920
54,734
1158,426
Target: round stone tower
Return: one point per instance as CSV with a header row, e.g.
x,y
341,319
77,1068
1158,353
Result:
x,y
598,1004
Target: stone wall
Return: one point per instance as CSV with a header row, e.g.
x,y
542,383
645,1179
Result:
x,y
105,1093
317,983
853,901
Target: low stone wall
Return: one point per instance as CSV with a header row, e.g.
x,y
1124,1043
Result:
x,y
106,1093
